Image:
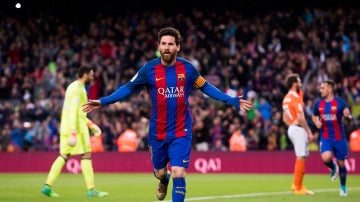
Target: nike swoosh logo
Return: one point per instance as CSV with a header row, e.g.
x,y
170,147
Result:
x,y
158,79
185,161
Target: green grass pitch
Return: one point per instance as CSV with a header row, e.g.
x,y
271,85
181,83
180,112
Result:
x,y
15,187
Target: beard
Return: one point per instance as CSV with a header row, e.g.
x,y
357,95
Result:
x,y
88,81
168,57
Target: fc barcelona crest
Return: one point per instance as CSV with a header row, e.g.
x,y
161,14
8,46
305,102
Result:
x,y
181,77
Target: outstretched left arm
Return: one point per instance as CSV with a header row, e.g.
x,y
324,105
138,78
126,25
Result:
x,y
237,102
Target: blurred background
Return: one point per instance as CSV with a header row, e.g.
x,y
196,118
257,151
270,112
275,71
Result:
x,y
242,47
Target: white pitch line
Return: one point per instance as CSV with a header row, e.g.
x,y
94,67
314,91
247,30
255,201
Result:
x,y
259,194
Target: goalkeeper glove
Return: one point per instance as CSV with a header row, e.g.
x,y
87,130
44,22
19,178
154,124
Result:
x,y
94,128
72,139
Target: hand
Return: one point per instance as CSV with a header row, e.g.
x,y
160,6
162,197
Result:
x,y
94,128
310,136
245,105
348,118
91,105
72,139
318,124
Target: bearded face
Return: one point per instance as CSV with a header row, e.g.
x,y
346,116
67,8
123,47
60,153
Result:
x,y
324,90
298,85
168,56
168,50
88,81
89,77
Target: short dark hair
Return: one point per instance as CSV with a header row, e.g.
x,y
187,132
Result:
x,y
84,70
291,79
330,83
169,31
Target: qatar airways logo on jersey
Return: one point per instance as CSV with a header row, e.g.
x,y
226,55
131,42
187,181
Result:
x,y
172,92
329,117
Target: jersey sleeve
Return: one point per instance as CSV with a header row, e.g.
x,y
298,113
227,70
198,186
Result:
x,y
210,90
72,107
286,107
137,82
315,109
342,104
215,93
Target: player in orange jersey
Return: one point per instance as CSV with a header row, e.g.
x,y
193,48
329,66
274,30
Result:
x,y
298,132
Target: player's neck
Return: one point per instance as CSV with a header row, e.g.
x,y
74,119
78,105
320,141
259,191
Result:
x,y
329,98
168,64
294,90
82,80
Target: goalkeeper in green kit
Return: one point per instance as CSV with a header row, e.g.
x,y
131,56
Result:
x,y
75,136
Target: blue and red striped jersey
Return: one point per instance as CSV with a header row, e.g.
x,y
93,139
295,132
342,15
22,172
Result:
x,y
330,114
169,88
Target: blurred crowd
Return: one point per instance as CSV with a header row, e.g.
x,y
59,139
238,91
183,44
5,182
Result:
x,y
241,54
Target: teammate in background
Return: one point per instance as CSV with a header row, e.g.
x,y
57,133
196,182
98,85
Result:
x,y
328,113
74,135
169,80
298,132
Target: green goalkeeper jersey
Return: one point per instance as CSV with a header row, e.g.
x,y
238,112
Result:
x,y
73,118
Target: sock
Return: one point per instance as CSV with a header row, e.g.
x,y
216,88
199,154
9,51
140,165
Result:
x,y
342,174
55,170
299,173
179,189
88,172
330,165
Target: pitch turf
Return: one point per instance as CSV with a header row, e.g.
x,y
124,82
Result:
x,y
200,187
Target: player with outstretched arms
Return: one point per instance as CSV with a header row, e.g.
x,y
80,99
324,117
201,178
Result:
x,y
169,81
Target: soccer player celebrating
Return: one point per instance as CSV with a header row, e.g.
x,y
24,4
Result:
x,y
169,80
328,113
298,132
74,135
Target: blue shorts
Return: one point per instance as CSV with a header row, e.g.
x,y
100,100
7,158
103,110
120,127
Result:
x,y
176,151
339,148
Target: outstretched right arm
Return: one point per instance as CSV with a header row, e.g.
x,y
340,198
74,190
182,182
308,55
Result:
x,y
119,94
134,85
